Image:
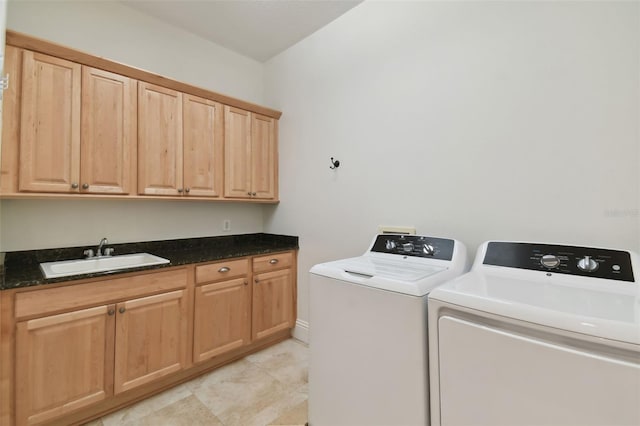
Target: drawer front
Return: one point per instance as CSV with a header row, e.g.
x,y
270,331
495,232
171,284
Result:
x,y
222,270
76,296
272,262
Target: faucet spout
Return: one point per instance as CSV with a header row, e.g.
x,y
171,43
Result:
x,y
102,243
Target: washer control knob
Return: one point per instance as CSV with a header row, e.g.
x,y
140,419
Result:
x,y
587,264
390,245
408,247
550,261
428,249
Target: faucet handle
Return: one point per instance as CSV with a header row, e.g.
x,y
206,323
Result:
x,y
108,251
88,253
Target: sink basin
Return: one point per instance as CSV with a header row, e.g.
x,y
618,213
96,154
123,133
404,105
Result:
x,y
65,268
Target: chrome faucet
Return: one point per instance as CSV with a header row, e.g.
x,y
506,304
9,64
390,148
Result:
x,y
107,251
102,243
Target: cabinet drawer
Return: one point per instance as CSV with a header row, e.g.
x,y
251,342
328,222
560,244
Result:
x,y
222,270
46,301
272,262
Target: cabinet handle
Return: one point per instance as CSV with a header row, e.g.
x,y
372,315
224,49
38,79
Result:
x,y
74,185
249,193
256,281
111,312
246,282
187,190
273,261
85,186
224,269
253,194
179,190
121,310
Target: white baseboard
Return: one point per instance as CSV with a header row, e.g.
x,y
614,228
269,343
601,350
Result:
x,y
301,331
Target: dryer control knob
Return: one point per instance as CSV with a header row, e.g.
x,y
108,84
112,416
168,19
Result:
x,y
428,249
550,261
390,245
587,264
407,247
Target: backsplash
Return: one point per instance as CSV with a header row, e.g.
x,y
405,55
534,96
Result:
x,y
42,224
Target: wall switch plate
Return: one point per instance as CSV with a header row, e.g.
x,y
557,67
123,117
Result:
x,y
226,225
407,230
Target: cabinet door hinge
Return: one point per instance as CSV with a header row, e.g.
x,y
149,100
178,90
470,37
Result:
x,y
4,82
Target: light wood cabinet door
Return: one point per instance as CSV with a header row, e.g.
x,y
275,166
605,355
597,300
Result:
x,y
250,155
237,153
151,339
273,299
109,131
49,158
202,146
159,140
263,157
222,318
63,363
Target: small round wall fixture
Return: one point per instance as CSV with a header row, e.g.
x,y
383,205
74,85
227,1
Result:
x,y
334,164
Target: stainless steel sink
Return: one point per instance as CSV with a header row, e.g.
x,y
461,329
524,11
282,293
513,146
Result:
x,y
65,268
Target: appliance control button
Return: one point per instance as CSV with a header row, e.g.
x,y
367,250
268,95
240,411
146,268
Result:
x,y
428,249
587,264
390,245
407,247
550,261
616,267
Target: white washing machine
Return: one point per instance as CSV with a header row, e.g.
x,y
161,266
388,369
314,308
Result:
x,y
368,333
537,334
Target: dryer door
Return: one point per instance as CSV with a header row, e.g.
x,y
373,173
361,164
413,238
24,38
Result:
x,y
492,377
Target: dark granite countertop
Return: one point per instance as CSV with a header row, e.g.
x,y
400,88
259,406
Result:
x,y
22,268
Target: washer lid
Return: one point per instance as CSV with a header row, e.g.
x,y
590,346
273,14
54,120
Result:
x,y
606,309
387,268
401,275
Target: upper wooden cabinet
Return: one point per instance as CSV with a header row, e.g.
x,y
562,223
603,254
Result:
x,y
50,125
203,130
78,124
159,140
250,155
78,127
180,144
109,132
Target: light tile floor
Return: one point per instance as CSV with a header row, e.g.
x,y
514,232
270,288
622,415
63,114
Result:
x,y
269,387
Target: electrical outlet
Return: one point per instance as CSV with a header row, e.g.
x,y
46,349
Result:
x,y
226,225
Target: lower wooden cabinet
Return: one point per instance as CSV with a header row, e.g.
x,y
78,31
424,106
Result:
x,y
272,303
80,347
221,318
68,361
273,294
63,363
151,339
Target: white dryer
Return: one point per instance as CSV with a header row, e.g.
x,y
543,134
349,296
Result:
x,y
537,334
368,331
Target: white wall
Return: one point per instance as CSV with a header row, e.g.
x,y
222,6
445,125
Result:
x,y
120,33
114,31
28,224
473,120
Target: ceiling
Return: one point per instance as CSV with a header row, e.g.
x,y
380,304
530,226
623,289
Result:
x,y
259,29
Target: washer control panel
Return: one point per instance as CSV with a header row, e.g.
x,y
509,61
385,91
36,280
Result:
x,y
584,261
414,245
